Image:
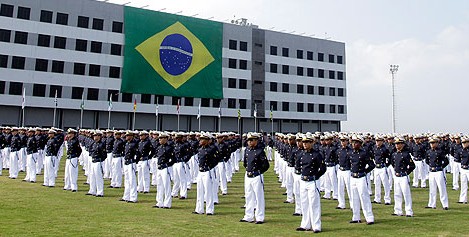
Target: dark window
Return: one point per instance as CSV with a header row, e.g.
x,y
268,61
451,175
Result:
x,y
205,102
310,90
273,105
258,45
243,84
285,69
332,109
126,97
62,19
16,88
273,86
21,37
81,45
300,89
53,90
79,68
58,66
4,61
96,47
285,106
98,24
39,90
18,62
46,16
320,57
231,83
232,63
77,93
331,91
285,52
232,103
5,35
322,108
93,94
273,50
321,90
41,65
321,73
2,87
6,10
174,100
341,109
310,107
114,72
340,75
339,60
257,82
242,103
43,40
159,99
60,42
273,68
258,63
299,54
94,70
300,107
117,27
189,101
331,74
243,46
340,92
24,13
310,72
83,22
285,87
331,58
233,44
145,99
216,103
300,71
309,55
114,94
243,64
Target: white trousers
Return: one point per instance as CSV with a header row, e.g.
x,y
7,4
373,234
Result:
x,y
360,195
330,182
179,180
229,170
96,179
14,164
236,159
71,174
215,183
163,187
419,174
143,182
40,161
6,157
130,183
221,175
204,192
153,170
194,168
464,179
49,170
289,172
437,182
255,202
31,161
297,193
107,166
343,183
22,159
456,169
311,205
116,172
382,178
402,190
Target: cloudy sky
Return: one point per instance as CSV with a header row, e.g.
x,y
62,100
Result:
x,y
428,39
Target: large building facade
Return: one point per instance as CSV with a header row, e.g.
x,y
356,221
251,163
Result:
x,y
75,48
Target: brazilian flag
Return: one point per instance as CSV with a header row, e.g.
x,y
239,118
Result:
x,y
172,55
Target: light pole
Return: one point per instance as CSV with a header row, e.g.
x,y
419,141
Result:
x,y
393,69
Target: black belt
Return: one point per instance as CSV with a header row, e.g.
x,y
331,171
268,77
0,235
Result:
x,y
466,167
96,160
117,155
358,175
380,166
13,150
343,168
203,169
418,159
163,166
308,178
70,157
330,164
297,171
401,174
252,174
436,169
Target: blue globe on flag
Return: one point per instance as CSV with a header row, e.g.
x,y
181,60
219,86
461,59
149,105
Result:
x,y
176,54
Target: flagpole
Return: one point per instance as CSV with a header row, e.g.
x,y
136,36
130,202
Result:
x,y
55,108
23,105
255,117
272,121
179,100
135,110
82,106
157,112
22,119
239,120
219,118
199,114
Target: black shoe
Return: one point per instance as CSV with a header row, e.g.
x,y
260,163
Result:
x,y
100,196
182,198
316,231
33,181
243,207
427,207
122,200
286,202
340,208
155,206
89,194
353,222
259,222
194,212
224,194
394,214
209,214
110,186
166,207
387,204
74,191
215,203
376,202
146,192
409,216
243,220
132,202
300,229
370,223
296,214
284,193
445,208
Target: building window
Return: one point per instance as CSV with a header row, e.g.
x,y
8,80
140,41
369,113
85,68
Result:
x,y
117,27
331,58
60,42
16,88
24,13
216,103
58,66
96,47
159,99
232,103
94,70
285,69
321,90
340,92
340,75
300,71
233,44
114,72
310,90
83,22
2,87
310,107
331,91
273,68
243,46
189,101
21,37
46,16
81,45
55,89
242,103
6,10
273,86
321,73
300,89
39,90
126,97
285,106
309,55
310,72
273,50
243,84
41,65
332,109
5,35
285,87
43,40
62,19
243,64
331,74
231,83
320,57
98,24
258,45
285,52
299,54
232,63
113,94
79,68
322,108
18,62
3,61
258,63
205,102
145,99
93,94
341,109
339,59
300,107
273,105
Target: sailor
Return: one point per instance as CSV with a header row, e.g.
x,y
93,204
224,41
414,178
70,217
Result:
x,y
109,147
145,152
437,161
118,150
71,165
403,166
98,154
381,176
130,179
166,159
50,160
31,156
15,147
343,174
419,150
181,155
463,155
330,177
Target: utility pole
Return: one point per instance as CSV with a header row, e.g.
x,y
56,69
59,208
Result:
x,y
393,69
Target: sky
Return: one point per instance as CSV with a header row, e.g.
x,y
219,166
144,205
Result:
x,y
428,39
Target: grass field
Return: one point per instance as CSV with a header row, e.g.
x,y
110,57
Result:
x,y
28,209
